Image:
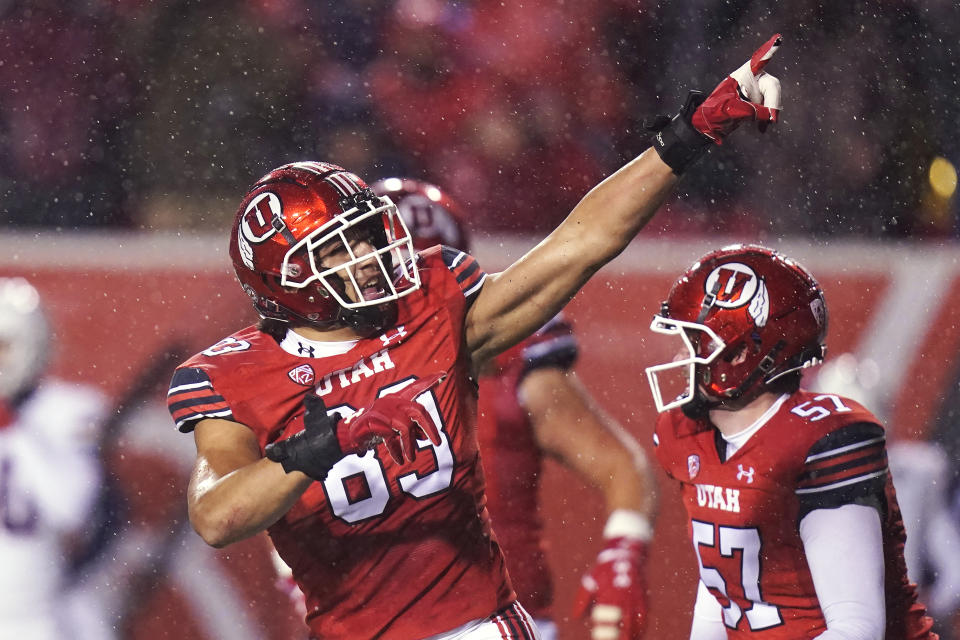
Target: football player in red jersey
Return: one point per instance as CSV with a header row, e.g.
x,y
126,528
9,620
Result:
x,y
531,406
792,509
365,342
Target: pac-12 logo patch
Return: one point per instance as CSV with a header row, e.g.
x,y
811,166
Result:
x,y
303,375
693,465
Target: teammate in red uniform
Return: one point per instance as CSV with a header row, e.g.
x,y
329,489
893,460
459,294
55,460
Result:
x,y
531,406
366,342
792,510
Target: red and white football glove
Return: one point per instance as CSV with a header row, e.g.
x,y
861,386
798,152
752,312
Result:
x,y
397,420
614,592
747,94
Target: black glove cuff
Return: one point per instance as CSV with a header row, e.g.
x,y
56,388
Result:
x,y
677,142
314,452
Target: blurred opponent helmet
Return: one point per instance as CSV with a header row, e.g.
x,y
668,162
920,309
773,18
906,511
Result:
x,y
431,215
24,338
308,233
747,317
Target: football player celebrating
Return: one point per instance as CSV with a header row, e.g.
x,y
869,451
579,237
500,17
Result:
x,y
531,405
793,514
50,472
344,423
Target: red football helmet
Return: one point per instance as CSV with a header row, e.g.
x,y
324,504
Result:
x,y
747,316
308,231
431,215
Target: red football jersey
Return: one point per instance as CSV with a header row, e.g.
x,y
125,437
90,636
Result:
x,y
512,459
817,451
380,550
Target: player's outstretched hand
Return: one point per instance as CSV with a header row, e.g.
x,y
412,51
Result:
x,y
614,592
749,93
396,420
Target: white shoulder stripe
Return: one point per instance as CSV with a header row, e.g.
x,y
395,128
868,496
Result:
x,y
849,447
187,387
842,483
202,415
469,292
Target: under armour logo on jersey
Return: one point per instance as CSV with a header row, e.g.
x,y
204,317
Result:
x,y
745,473
305,349
387,338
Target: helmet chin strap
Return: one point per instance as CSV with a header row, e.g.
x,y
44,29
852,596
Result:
x,y
699,406
369,320
762,370
708,301
366,321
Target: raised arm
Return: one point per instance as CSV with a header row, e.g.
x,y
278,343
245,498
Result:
x,y
516,302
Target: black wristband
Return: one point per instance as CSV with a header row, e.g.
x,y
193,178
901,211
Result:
x,y
677,142
312,451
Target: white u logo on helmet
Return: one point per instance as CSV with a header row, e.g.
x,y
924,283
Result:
x,y
738,284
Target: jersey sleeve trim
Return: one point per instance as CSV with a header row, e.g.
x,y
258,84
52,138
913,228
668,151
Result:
x,y
837,463
847,466
192,398
553,345
466,270
560,352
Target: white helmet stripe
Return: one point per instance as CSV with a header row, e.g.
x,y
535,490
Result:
x,y
343,182
318,168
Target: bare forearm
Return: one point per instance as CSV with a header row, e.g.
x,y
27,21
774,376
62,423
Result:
x,y
630,484
572,428
614,211
229,508
516,302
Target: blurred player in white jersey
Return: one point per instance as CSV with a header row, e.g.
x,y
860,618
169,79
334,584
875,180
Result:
x,y
50,473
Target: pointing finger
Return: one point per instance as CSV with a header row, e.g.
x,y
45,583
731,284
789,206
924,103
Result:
x,y
762,56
